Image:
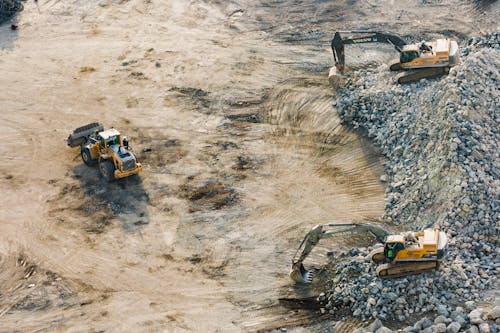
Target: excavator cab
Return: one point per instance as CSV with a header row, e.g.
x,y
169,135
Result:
x,y
408,56
393,245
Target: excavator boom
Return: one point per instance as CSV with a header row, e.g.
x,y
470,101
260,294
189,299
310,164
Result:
x,y
360,37
299,273
402,254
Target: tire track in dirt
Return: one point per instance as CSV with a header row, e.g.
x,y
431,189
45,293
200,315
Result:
x,y
299,196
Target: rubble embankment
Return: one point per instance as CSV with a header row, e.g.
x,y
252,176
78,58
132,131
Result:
x,y
441,139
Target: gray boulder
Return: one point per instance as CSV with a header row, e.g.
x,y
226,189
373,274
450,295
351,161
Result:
x,y
439,328
384,329
484,328
494,313
470,305
441,319
475,316
375,326
454,327
423,324
409,329
441,310
472,329
460,320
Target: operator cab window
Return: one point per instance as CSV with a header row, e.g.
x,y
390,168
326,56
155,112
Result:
x,y
408,56
112,141
392,249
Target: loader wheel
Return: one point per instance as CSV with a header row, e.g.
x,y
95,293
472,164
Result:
x,y
107,170
87,157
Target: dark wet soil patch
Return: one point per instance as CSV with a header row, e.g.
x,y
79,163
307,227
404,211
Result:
x,y
210,195
195,98
160,152
244,163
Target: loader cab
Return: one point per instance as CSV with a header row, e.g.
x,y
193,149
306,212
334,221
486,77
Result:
x,y
393,245
109,138
114,140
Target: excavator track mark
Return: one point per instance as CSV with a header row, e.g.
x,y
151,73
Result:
x,y
418,74
388,271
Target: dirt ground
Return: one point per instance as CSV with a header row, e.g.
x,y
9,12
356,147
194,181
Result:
x,y
227,106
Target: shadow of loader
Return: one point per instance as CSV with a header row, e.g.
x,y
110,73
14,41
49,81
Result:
x,y
124,200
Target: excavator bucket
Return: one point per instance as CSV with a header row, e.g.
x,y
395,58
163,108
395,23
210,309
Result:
x,y
335,74
300,274
335,77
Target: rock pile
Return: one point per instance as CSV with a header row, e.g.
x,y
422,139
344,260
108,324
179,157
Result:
x,y
477,321
8,8
441,139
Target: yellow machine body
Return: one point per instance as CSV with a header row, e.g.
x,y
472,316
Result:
x,y
410,252
432,54
109,146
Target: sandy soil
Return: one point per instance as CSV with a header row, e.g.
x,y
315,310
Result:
x,y
228,108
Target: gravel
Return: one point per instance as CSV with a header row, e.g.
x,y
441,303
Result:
x,y
441,141
9,8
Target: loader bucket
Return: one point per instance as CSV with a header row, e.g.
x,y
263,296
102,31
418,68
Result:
x,y
300,274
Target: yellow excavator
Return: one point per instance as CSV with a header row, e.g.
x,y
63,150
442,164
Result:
x,y
419,60
402,254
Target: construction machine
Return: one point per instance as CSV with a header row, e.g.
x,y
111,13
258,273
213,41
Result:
x,y
419,60
402,254
410,253
108,148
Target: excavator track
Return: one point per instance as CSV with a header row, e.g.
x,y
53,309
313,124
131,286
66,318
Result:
x,y
417,74
388,271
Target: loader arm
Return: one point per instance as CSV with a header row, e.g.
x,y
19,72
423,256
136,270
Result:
x,y
361,37
321,231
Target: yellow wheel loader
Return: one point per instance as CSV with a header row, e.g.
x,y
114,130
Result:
x,y
402,254
419,60
108,148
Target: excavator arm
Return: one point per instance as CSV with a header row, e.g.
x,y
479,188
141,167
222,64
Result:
x,y
321,231
360,37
